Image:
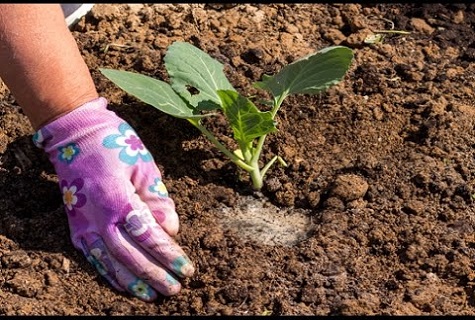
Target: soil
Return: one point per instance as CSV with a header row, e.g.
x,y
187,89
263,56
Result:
x,y
374,214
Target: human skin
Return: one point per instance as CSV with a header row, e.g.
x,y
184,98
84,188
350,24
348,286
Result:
x,y
40,62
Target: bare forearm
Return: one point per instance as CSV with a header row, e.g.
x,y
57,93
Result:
x,y
40,62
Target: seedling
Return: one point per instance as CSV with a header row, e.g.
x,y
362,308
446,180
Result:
x,y
198,88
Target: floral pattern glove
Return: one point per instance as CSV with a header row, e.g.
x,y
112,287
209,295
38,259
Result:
x,y
118,208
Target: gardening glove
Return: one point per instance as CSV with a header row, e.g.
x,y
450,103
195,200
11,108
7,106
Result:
x,y
119,212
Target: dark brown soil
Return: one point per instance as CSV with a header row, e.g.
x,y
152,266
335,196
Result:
x,y
381,168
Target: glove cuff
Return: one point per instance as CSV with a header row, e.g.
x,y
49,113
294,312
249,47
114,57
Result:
x,y
80,119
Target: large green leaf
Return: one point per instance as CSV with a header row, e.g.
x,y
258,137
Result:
x,y
244,117
154,92
311,74
190,68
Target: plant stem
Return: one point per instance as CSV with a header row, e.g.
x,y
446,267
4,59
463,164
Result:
x,y
238,161
268,165
258,175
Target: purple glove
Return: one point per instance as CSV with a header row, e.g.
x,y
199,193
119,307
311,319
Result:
x,y
118,208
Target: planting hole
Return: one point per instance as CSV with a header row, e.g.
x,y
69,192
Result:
x,y
262,222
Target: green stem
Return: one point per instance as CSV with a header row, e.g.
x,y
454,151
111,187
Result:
x,y
256,178
278,103
261,140
246,150
238,161
268,165
258,175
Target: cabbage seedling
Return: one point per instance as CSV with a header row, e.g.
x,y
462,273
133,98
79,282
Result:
x,y
198,88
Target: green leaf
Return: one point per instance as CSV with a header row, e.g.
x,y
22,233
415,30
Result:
x,y
156,93
190,68
245,119
311,74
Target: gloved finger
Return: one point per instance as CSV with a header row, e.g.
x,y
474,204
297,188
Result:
x,y
115,272
144,230
151,190
96,254
140,263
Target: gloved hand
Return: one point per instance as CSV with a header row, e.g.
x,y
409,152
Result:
x,y
118,208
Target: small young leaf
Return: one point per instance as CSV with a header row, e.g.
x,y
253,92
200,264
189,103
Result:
x,y
244,117
192,68
311,74
238,153
156,93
